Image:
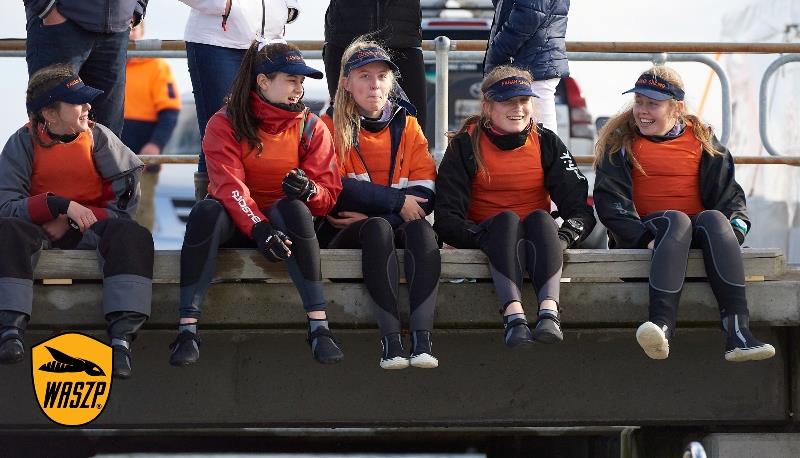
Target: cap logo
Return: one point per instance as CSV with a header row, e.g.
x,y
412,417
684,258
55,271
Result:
x,y
72,83
645,81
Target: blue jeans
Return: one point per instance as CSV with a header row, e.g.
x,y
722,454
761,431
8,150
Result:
x,y
212,70
99,59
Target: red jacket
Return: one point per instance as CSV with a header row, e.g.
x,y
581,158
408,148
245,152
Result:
x,y
247,184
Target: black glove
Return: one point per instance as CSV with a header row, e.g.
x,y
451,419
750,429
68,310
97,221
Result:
x,y
570,232
271,242
297,185
562,238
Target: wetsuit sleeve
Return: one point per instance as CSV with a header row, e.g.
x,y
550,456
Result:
x,y
121,170
167,103
453,188
16,166
567,186
613,191
226,174
718,187
319,163
369,198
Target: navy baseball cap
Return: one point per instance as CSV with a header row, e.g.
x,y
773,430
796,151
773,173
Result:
x,y
366,56
291,63
656,88
506,88
71,90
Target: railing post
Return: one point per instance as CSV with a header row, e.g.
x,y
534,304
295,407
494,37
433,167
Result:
x,y
763,126
442,80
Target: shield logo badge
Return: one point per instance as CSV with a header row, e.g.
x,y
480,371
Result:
x,y
71,378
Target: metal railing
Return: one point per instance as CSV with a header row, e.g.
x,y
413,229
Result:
x,y
443,50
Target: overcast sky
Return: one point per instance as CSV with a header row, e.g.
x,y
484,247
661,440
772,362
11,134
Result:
x,y
589,20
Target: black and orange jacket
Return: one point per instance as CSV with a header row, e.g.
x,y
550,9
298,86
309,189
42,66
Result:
x,y
384,166
152,103
614,192
247,183
458,180
96,170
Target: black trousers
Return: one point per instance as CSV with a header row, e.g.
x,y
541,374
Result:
x,y
675,233
513,245
209,228
380,267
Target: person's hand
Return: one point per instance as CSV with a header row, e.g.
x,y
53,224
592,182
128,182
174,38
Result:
x,y
54,17
345,219
411,209
651,244
82,216
272,243
297,185
150,149
56,228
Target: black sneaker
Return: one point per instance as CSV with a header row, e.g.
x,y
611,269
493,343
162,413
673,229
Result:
x,y
422,354
185,349
517,333
741,345
12,349
324,347
393,354
548,328
121,364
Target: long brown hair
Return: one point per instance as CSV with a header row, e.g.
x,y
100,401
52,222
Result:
x,y
346,119
620,131
40,82
237,105
497,73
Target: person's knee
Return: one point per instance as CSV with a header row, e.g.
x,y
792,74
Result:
x,y
202,220
680,225
296,216
712,221
505,219
420,233
378,230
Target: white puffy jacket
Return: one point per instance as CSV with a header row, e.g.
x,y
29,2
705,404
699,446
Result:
x,y
243,24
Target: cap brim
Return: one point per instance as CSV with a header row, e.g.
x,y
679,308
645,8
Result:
x,y
650,93
377,59
498,97
83,95
302,69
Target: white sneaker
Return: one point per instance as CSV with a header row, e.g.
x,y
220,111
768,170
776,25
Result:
x,y
424,361
653,340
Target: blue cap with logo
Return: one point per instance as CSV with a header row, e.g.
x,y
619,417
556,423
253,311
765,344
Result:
x,y
656,88
71,90
509,87
290,62
366,56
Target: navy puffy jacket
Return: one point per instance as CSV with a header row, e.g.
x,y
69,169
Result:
x,y
529,34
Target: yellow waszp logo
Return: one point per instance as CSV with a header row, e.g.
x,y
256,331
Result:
x,y
72,378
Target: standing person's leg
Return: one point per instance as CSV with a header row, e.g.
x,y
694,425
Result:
x,y
673,237
332,57
105,70
423,266
544,262
293,218
20,244
208,227
125,250
545,102
502,242
212,70
412,79
725,270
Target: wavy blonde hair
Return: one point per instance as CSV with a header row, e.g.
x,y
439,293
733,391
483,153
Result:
x,y
497,73
620,131
346,119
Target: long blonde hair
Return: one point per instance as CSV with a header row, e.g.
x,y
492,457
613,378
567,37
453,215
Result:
x,y
346,119
620,131
497,73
